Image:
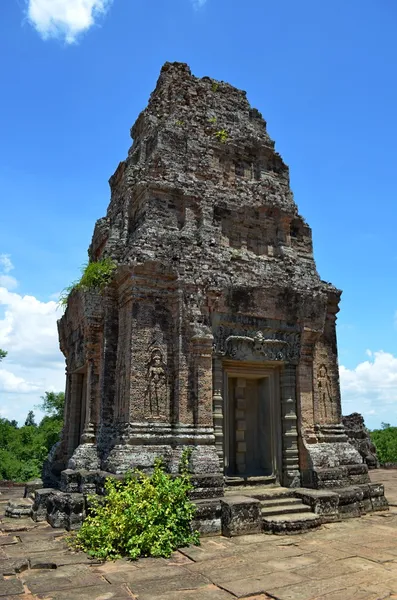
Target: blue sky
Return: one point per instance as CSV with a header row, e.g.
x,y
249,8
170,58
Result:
x,y
76,73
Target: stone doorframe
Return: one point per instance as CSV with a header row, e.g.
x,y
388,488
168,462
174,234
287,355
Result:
x,y
243,370
222,369
77,408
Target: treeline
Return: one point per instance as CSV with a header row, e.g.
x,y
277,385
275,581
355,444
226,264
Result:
x,y
385,441
24,449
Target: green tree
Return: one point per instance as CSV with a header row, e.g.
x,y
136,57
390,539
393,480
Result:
x,y
30,420
23,449
3,354
53,403
385,441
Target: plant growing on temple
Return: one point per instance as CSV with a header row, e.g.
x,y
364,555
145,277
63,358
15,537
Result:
x,y
144,515
215,86
95,275
222,135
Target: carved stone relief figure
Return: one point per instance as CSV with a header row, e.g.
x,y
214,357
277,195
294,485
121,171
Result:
x,y
324,390
156,391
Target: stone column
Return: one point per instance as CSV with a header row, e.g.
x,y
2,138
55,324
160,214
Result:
x,y
218,408
291,474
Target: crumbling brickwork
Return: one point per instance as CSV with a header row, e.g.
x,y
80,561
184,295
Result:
x,y
215,282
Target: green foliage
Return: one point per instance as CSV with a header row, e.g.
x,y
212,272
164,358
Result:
x,y
94,276
222,135
212,120
24,449
144,515
3,354
385,441
215,86
30,420
179,123
53,404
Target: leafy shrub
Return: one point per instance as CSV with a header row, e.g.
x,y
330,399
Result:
x,y
385,441
144,515
94,275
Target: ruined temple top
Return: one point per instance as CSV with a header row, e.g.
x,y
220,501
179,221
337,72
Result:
x,y
203,191
181,97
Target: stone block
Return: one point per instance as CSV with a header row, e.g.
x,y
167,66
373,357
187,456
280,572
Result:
x,y
379,503
18,508
350,495
376,489
241,515
39,508
322,502
66,510
70,481
208,517
87,482
346,511
31,487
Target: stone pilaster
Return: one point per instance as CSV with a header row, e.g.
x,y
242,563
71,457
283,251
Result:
x,y
74,415
290,454
202,350
218,408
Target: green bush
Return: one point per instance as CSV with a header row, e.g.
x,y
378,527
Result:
x,y
144,515
385,441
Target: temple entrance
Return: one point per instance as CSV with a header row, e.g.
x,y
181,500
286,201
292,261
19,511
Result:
x,y
252,423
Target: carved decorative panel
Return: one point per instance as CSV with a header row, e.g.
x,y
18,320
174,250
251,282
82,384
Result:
x,y
251,339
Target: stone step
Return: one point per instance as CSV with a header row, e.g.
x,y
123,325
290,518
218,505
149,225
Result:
x,y
281,501
19,507
270,493
279,510
291,523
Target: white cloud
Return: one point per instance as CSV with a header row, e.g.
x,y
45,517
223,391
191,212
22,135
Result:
x,y
8,282
12,384
371,388
5,263
65,19
34,364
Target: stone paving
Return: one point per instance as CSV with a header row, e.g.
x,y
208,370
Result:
x,y
353,559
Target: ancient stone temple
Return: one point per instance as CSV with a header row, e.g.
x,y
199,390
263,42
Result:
x,y
216,332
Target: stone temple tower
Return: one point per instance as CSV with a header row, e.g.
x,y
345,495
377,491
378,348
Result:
x,y
216,331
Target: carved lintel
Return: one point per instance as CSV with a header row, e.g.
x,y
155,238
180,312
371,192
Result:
x,y
270,345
